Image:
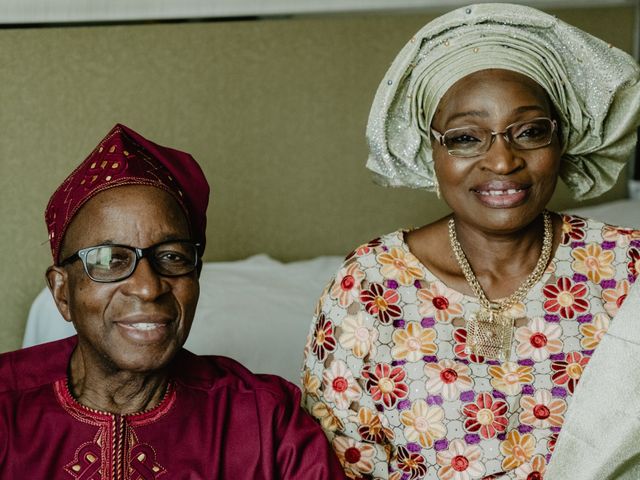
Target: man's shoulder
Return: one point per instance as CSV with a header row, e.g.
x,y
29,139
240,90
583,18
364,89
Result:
x,y
35,366
212,372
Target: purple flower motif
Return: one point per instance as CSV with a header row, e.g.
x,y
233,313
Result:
x,y
635,243
430,359
527,390
557,357
405,476
472,438
555,429
397,363
492,362
468,396
417,284
428,322
577,244
498,394
392,284
548,458
559,392
379,407
525,429
385,248
578,277
631,278
399,323
611,283
404,404
588,353
585,318
526,362
552,318
413,447
501,436
434,400
441,444
608,245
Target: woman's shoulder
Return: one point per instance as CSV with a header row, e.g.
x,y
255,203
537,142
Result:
x,y
580,229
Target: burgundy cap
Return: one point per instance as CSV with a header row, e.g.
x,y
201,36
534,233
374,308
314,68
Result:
x,y
124,157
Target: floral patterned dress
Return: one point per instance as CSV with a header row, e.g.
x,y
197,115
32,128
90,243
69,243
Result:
x,y
387,376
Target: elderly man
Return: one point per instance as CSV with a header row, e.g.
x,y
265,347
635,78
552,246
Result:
x,y
122,399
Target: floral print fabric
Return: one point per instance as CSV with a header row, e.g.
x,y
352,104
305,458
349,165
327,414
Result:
x,y
387,376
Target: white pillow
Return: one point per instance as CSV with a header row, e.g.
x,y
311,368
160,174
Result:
x,y
621,213
257,311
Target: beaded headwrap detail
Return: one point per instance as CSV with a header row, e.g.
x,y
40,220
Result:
x,y
593,86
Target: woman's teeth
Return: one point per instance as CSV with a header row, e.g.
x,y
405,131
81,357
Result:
x,y
511,191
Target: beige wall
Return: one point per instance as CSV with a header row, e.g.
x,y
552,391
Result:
x,y
275,111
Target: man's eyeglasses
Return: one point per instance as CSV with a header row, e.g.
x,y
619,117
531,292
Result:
x,y
112,263
471,141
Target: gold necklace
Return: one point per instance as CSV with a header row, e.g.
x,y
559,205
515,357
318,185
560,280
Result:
x,y
490,330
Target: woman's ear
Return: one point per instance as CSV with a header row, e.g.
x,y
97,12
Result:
x,y
57,281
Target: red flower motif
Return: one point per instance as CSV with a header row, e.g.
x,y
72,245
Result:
x,y
486,416
570,370
386,384
572,229
460,336
634,264
381,302
364,249
324,340
566,298
412,463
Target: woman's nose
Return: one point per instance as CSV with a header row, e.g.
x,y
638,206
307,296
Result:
x,y
502,158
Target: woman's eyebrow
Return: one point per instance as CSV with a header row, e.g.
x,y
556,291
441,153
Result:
x,y
469,113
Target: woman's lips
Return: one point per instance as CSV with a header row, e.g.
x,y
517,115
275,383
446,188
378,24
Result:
x,y
501,195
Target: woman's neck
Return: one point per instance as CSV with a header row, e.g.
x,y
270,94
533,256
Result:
x,y
107,389
500,262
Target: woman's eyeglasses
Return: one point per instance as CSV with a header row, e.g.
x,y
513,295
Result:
x,y
112,263
471,141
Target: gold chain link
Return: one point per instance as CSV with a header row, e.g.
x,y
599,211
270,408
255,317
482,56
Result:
x,y
519,294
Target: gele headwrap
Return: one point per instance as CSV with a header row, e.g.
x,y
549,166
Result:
x,y
593,86
124,157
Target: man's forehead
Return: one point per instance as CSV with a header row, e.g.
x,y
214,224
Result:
x,y
124,157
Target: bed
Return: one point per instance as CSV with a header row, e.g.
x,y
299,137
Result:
x,y
258,310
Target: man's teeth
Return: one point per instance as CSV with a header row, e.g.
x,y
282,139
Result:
x,y
144,326
511,191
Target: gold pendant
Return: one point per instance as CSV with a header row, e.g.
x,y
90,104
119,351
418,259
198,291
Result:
x,y
489,334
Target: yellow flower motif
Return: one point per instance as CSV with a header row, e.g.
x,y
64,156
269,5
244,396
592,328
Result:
x,y
372,426
357,336
517,449
413,343
326,417
593,262
424,423
614,297
509,377
400,266
347,285
447,378
594,331
310,383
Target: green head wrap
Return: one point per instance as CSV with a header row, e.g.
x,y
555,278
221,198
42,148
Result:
x,y
593,87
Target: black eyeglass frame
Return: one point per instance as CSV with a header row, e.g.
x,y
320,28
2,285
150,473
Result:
x,y
140,254
505,134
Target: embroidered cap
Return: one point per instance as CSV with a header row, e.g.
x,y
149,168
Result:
x,y
124,157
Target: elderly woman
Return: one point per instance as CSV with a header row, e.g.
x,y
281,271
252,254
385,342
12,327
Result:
x,y
452,351
122,400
